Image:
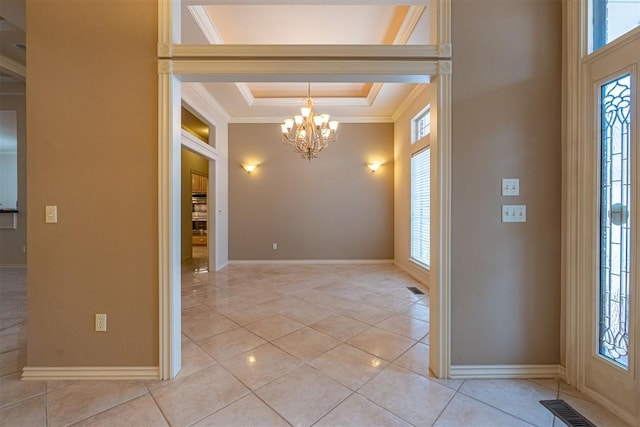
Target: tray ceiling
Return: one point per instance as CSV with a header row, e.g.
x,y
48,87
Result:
x,y
306,24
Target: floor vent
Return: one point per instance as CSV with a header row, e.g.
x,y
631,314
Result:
x,y
566,413
415,290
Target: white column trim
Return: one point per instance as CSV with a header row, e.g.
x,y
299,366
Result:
x,y
343,51
386,70
571,212
344,63
168,27
168,208
440,274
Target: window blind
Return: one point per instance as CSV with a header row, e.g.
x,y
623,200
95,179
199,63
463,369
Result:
x,y
421,207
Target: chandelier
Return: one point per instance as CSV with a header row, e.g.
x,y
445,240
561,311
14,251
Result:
x,y
309,132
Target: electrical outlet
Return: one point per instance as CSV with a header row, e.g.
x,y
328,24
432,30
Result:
x,y
274,246
101,323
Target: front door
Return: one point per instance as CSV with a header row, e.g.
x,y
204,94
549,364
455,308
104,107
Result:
x,y
610,357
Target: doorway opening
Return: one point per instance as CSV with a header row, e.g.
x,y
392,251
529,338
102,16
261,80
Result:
x,y
194,209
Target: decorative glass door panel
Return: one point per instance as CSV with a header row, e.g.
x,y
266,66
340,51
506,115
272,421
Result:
x,y
609,341
615,219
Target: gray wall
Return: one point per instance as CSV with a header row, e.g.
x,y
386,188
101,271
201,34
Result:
x,y
506,124
331,208
12,97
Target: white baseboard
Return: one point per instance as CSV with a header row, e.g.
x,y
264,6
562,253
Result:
x,y
91,373
418,273
462,372
310,261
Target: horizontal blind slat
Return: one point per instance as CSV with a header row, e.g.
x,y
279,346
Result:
x,y
421,206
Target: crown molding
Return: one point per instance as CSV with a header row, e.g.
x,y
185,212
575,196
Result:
x,y
413,95
311,262
206,24
409,24
199,98
278,120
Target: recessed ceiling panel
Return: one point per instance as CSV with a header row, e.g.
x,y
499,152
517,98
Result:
x,y
318,90
295,24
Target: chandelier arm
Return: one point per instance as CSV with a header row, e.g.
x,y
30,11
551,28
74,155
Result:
x,y
310,132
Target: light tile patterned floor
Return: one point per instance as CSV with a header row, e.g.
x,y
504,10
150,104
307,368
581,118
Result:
x,y
284,345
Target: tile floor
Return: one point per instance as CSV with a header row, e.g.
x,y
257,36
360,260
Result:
x,y
284,345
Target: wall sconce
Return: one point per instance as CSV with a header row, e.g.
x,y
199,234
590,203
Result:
x,y
373,166
249,167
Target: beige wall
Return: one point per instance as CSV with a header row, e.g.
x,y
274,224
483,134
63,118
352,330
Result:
x,y
92,131
506,124
196,163
331,208
11,241
403,150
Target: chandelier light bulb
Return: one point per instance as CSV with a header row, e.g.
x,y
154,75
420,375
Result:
x,y
309,133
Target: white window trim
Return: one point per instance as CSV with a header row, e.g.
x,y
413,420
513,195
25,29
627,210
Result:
x,y
414,127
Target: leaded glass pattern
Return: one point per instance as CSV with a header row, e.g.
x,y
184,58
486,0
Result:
x,y
615,220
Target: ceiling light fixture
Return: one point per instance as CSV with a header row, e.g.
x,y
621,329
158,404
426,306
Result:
x,y
309,132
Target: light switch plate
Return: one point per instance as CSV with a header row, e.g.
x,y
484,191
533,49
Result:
x,y
514,213
51,214
511,187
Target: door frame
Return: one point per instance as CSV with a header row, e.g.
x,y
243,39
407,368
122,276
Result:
x,y
579,166
348,63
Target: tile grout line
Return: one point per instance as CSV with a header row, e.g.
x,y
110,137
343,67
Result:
x,y
111,407
490,405
155,402
445,408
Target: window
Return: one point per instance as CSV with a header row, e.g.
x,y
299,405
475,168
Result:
x,y
615,223
421,207
612,19
421,125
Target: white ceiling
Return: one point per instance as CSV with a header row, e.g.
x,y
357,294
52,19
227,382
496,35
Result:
x,y
281,22
227,22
